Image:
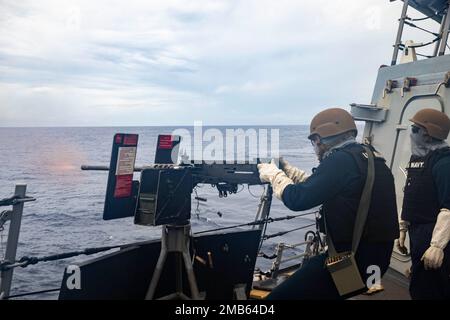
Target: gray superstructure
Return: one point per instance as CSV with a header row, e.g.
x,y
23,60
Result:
x,y
402,89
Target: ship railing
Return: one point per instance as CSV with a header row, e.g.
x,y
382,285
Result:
x,y
14,217
281,247
313,245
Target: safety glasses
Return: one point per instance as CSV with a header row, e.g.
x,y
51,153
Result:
x,y
415,129
315,140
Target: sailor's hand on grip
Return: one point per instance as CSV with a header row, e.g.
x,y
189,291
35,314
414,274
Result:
x,y
267,171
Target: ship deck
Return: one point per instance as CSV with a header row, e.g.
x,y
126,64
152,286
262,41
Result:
x,y
395,287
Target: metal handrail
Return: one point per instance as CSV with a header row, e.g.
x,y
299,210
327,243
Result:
x,y
15,217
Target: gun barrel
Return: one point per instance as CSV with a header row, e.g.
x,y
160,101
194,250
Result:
x,y
94,168
234,173
103,168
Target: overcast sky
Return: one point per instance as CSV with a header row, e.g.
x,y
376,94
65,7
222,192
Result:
x,y
143,62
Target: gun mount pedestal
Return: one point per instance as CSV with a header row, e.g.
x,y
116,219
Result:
x,y
175,239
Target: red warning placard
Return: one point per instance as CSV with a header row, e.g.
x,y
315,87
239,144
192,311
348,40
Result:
x,y
165,142
130,139
123,186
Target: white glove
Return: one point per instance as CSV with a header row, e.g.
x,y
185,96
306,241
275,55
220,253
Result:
x,y
295,174
434,256
269,172
401,240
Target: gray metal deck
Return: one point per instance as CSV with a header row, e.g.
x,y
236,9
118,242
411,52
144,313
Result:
x,y
395,288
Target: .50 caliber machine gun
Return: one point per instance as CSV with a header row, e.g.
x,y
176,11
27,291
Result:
x,y
162,196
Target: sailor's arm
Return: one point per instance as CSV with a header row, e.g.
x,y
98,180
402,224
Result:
x,y
322,185
280,179
293,173
404,226
332,175
441,231
434,255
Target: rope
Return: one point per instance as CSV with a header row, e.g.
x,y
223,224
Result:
x,y
9,201
12,201
420,28
402,46
428,43
25,261
31,293
258,222
424,55
4,264
278,234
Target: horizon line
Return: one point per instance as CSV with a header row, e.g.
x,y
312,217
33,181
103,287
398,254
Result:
x,y
143,126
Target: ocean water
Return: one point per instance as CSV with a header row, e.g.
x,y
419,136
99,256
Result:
x,y
67,215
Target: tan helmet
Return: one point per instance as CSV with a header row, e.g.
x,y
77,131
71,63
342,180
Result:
x,y
435,122
331,122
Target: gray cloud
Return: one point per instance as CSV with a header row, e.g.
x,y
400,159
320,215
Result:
x,y
224,62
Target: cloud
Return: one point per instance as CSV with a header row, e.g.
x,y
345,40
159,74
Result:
x,y
248,87
74,106
109,62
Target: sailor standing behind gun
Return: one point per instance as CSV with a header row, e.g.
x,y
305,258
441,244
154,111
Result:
x,y
338,184
426,205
